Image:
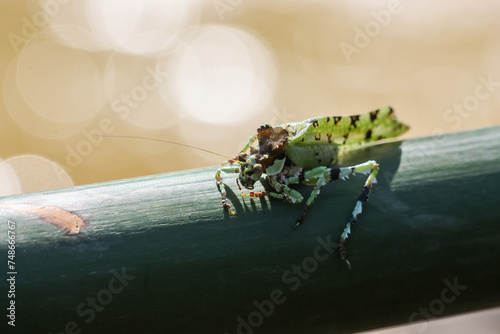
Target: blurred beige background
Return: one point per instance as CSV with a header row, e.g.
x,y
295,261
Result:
x,y
208,73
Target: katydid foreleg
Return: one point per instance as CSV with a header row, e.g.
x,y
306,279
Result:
x,y
222,188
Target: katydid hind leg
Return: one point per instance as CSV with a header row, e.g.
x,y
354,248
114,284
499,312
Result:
x,y
323,175
370,167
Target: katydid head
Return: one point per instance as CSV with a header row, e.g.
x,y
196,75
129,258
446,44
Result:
x,y
255,163
250,170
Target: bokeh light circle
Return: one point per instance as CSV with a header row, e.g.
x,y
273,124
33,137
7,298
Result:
x,y
133,86
9,180
142,27
225,75
30,121
36,173
59,83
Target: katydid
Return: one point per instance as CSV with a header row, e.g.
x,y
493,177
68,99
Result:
x,y
302,153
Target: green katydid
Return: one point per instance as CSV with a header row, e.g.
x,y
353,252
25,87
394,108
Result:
x,y
301,153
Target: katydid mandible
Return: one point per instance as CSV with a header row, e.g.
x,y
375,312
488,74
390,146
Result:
x,y
301,153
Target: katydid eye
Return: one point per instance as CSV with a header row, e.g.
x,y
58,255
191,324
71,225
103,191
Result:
x,y
257,169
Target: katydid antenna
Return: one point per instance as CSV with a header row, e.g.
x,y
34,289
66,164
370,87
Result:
x,y
170,142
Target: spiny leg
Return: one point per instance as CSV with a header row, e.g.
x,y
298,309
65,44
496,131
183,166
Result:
x,y
249,144
321,175
231,169
222,188
283,191
371,167
254,194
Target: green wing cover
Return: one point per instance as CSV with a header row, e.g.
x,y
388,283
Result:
x,y
319,141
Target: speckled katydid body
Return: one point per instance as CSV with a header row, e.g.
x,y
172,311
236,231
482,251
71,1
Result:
x,y
301,153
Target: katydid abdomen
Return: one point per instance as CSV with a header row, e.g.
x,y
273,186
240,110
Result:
x,y
320,141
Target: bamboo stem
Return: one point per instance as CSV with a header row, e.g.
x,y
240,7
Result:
x,y
159,254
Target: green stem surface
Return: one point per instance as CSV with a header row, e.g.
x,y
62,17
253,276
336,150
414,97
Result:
x,y
158,254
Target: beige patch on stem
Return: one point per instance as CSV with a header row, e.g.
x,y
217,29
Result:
x,y
64,219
